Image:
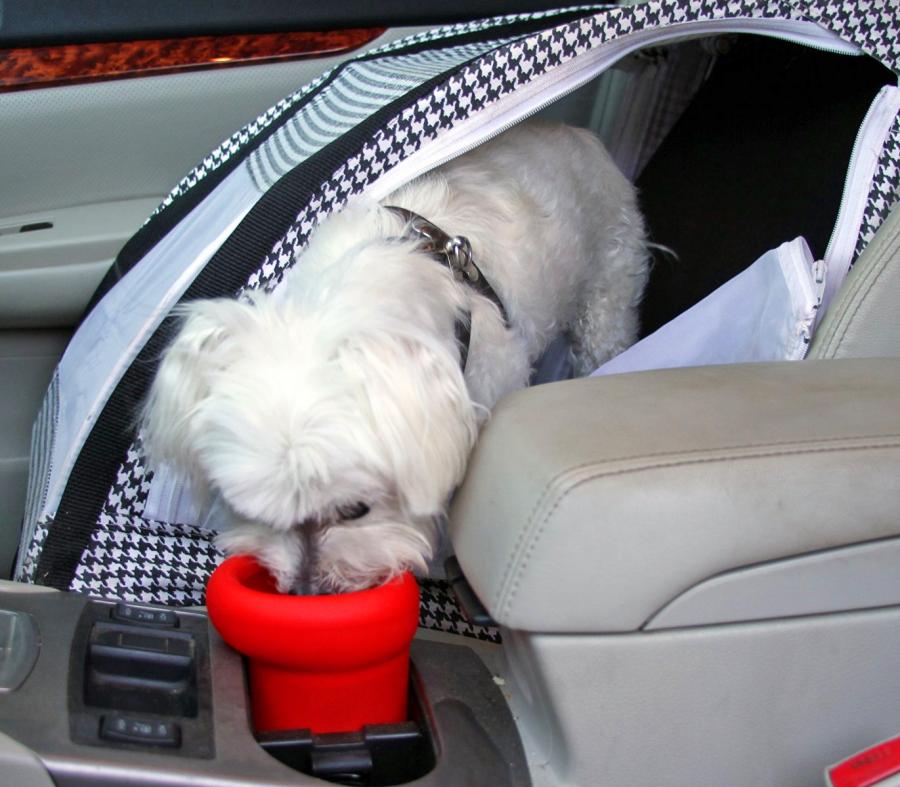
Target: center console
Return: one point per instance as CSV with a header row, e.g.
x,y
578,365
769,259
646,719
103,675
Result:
x,y
99,692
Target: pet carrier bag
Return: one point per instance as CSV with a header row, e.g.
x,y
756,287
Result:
x,y
99,521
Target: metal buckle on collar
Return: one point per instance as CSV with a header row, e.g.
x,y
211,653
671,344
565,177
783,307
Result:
x,y
454,251
459,255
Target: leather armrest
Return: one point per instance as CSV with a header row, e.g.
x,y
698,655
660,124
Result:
x,y
589,505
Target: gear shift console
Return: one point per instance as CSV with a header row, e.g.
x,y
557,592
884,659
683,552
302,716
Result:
x,y
97,693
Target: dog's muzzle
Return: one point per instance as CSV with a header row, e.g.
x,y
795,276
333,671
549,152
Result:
x,y
310,531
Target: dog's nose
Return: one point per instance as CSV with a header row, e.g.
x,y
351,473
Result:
x,y
309,532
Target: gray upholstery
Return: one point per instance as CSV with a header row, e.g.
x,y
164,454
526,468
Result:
x,y
860,576
697,571
589,505
864,318
767,704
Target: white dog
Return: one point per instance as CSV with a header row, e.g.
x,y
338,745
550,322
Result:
x,y
336,414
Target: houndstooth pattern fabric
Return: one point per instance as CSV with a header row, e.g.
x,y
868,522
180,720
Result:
x,y
129,492
28,569
439,611
874,25
885,191
132,557
136,559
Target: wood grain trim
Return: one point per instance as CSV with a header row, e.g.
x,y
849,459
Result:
x,y
34,67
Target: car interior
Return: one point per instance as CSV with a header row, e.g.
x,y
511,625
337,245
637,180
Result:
x,y
670,577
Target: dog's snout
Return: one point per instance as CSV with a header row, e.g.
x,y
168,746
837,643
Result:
x,y
309,532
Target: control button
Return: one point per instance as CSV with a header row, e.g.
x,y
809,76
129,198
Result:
x,y
128,729
128,613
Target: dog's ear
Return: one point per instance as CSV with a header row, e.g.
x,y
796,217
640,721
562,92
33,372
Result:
x,y
422,417
182,379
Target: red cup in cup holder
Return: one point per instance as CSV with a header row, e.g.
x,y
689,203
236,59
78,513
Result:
x,y
329,663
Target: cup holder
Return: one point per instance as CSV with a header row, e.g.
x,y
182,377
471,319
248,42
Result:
x,y
380,707
378,755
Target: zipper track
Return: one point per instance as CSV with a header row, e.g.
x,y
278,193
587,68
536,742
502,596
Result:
x,y
553,85
864,160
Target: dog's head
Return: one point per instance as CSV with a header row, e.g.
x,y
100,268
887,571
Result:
x,y
334,427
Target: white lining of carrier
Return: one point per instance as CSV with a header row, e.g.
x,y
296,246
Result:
x,y
765,313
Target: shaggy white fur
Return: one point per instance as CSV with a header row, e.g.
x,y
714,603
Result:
x,y
332,414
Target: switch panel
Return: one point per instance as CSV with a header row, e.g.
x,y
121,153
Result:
x,y
144,732
139,677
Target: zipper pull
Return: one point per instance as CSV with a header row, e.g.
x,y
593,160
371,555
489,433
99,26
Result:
x,y
819,272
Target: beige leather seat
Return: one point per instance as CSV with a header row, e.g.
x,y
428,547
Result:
x,y
697,571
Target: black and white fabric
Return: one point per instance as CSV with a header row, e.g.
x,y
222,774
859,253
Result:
x,y
239,141
874,25
241,217
885,191
364,88
439,611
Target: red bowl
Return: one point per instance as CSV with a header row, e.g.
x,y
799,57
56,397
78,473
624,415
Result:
x,y
330,663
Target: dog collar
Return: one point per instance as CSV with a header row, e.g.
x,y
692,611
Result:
x,y
455,252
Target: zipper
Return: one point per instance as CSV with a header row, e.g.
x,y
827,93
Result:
x,y
819,270
820,278
798,268
549,87
802,275
864,159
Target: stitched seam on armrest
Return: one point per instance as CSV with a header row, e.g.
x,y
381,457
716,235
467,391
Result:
x,y
511,595
522,539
